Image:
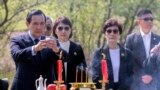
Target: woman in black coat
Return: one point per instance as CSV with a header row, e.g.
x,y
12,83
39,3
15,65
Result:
x,y
119,60
62,30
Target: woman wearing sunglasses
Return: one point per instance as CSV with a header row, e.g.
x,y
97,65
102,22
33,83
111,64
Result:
x,y
62,30
119,60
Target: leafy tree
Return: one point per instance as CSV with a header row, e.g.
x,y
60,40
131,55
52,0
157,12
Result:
x,y
11,14
87,16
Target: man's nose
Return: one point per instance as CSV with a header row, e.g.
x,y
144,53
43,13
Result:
x,y
39,26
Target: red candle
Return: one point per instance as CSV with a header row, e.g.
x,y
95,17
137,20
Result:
x,y
60,66
51,87
104,70
63,87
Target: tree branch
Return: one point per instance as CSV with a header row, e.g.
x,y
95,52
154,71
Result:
x,y
23,9
6,13
108,14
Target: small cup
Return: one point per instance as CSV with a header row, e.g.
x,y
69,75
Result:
x,y
50,38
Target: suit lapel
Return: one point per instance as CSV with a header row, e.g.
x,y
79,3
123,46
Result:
x,y
72,51
27,40
141,46
110,68
71,47
122,61
154,40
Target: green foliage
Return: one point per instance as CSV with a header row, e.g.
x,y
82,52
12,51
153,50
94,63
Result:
x,y
87,16
11,12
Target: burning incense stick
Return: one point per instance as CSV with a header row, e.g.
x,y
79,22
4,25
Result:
x,y
76,73
81,73
86,75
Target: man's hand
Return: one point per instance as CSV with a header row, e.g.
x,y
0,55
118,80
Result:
x,y
147,79
40,45
53,45
156,49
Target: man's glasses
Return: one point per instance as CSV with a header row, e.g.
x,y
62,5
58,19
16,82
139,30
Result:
x,y
66,28
115,31
148,19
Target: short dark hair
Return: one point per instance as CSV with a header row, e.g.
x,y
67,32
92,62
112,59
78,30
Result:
x,y
34,12
143,12
112,22
64,20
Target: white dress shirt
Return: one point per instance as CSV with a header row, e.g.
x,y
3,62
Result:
x,y
146,41
115,59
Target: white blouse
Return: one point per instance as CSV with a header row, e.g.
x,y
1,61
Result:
x,y
65,45
115,59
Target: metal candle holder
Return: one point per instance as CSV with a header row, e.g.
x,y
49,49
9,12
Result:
x,y
103,81
59,82
103,84
78,85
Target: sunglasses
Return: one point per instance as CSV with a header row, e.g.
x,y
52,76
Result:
x,y
148,19
115,31
66,28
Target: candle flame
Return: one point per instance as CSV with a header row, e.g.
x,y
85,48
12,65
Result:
x,y
104,56
60,55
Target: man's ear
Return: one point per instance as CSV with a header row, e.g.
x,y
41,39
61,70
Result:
x,y
138,20
27,24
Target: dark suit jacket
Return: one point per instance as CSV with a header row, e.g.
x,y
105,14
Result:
x,y
29,67
134,42
125,71
4,84
157,58
74,58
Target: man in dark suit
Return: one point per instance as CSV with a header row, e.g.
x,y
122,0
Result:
x,y
140,43
32,54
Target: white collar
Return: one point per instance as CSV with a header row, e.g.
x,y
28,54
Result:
x,y
64,43
143,34
32,37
